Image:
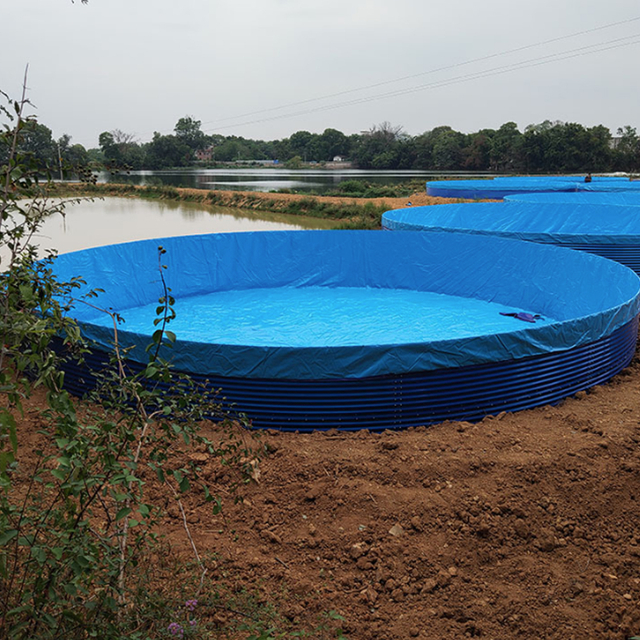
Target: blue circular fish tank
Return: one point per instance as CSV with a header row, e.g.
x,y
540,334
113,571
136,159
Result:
x,y
304,330
606,230
610,199
501,187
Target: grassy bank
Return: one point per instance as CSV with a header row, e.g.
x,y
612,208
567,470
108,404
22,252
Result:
x,y
366,189
353,214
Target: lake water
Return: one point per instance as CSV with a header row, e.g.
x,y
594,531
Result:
x,y
270,178
113,220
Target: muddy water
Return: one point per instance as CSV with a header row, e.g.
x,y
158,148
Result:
x,y
113,220
261,178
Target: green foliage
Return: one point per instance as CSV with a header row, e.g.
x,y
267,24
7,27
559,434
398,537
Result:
x,y
121,151
382,147
627,149
559,147
328,627
294,163
365,189
85,518
188,131
355,188
368,216
76,519
167,151
547,147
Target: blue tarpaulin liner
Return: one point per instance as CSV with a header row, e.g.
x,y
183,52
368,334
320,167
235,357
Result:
x,y
493,189
632,186
561,178
618,198
455,287
536,222
499,188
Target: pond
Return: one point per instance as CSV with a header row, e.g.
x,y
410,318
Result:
x,y
271,178
112,220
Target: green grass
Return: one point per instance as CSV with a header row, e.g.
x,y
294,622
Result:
x,y
352,215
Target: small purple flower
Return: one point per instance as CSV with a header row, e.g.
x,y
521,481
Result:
x,y
192,623
191,604
176,629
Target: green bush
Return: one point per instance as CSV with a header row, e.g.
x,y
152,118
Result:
x,y
75,516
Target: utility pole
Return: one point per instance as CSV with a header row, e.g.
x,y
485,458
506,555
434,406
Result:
x,y
60,161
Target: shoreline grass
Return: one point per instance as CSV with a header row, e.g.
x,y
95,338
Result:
x,y
352,214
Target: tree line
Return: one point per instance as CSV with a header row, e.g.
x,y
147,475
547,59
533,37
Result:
x,y
548,147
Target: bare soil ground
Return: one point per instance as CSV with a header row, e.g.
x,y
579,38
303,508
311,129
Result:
x,y
416,199
521,526
272,201
524,525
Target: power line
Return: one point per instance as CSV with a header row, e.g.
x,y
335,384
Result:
x,y
447,82
424,73
526,64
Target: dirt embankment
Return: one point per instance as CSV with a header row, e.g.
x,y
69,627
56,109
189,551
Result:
x,y
248,198
280,202
521,526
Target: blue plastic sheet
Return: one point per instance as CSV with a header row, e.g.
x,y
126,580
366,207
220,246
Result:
x,y
632,186
617,199
494,189
499,188
490,273
520,180
326,317
554,223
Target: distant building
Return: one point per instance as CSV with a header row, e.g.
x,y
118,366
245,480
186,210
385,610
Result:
x,y
205,155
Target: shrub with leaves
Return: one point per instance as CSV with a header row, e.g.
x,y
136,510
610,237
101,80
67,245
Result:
x,y
76,518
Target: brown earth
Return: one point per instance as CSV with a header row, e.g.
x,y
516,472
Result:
x,y
416,199
521,526
261,200
524,525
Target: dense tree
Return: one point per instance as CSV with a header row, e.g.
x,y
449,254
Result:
x,y
627,149
281,149
305,145
476,155
121,150
332,143
238,148
71,156
440,148
37,141
188,131
424,151
600,148
95,156
40,149
506,149
547,147
379,148
447,149
164,152
108,145
559,147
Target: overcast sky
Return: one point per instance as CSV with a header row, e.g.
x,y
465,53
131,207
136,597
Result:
x,y
240,66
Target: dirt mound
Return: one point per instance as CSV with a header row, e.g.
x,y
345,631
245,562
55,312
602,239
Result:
x,y
524,525
521,526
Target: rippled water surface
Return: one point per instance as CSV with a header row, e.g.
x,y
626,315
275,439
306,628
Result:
x,y
269,178
113,220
